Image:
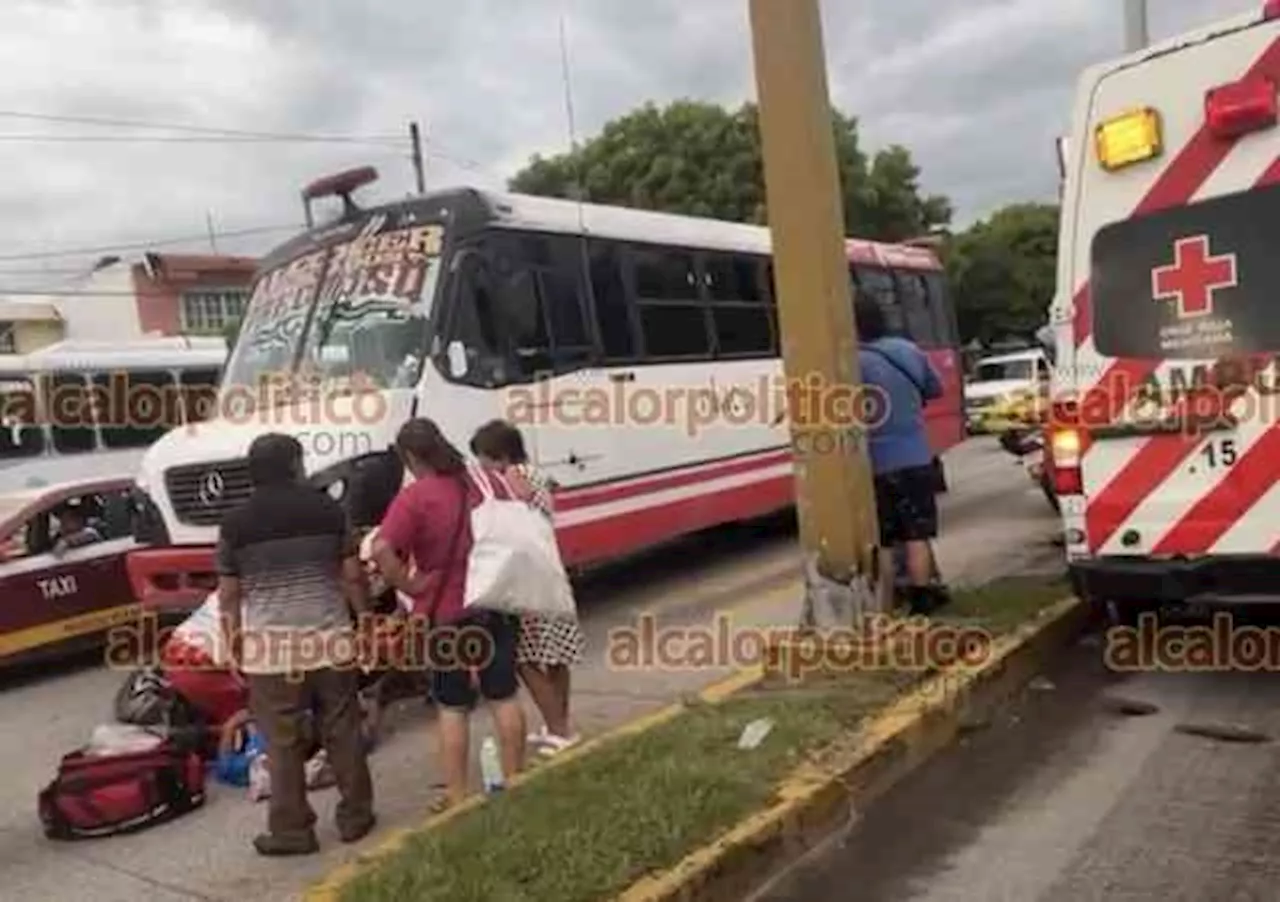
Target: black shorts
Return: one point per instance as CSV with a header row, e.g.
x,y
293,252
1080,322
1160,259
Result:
x,y
459,664
907,505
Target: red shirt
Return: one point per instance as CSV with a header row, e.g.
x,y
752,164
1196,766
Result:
x,y
424,520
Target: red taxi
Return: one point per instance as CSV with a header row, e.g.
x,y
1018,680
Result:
x,y
63,582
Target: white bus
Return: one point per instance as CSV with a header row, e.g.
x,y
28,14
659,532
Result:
x,y
637,351
73,399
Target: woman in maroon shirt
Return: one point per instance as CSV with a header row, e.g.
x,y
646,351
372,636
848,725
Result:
x,y
430,522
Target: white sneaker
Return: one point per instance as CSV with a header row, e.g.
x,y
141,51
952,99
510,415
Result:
x,y
553,744
539,738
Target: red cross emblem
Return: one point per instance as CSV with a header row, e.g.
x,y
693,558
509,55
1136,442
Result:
x,y
1194,277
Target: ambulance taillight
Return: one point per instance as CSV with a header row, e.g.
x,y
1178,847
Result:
x,y
1245,106
1067,440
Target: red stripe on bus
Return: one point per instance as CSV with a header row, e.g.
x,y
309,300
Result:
x,y
610,537
575,499
1240,490
1182,178
1158,458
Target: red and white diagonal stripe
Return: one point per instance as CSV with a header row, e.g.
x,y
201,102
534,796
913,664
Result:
x,y
1161,482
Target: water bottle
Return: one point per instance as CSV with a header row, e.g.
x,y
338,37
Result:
x,y
490,766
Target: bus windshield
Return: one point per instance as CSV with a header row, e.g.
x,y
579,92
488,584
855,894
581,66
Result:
x,y
354,313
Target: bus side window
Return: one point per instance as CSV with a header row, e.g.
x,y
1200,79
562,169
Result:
x,y
739,313
672,318
136,408
199,394
944,318
519,320
471,314
915,305
612,308
878,283
71,413
21,434
563,297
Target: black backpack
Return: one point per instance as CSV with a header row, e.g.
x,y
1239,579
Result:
x,y
147,699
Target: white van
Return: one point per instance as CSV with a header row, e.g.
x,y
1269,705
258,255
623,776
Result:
x,y
1165,440
1002,387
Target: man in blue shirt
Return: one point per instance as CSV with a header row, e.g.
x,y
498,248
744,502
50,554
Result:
x,y
903,381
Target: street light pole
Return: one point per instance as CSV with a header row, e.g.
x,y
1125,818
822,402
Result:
x,y
819,344
1136,35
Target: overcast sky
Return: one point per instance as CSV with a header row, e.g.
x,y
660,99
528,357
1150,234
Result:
x,y
977,89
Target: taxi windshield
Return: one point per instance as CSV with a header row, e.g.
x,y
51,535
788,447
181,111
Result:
x,y
353,312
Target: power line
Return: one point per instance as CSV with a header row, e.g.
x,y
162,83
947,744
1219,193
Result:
x,y
143,245
195,129
211,139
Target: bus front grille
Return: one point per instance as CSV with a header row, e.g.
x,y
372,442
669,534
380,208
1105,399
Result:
x,y
202,494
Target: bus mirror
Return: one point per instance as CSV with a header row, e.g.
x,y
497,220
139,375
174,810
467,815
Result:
x,y
457,359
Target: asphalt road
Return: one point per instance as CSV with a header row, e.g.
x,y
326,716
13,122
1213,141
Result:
x,y
1065,799
994,522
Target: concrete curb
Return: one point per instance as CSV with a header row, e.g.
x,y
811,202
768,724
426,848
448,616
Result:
x,y
330,888
821,796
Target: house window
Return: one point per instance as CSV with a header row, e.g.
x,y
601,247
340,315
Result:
x,y
211,310
8,338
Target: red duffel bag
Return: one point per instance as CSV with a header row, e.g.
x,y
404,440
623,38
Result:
x,y
122,792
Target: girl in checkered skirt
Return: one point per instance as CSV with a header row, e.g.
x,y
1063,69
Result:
x,y
548,646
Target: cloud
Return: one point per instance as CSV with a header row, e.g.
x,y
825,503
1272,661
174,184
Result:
x,y
977,90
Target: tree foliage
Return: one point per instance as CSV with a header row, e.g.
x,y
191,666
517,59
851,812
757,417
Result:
x,y
700,159
1003,271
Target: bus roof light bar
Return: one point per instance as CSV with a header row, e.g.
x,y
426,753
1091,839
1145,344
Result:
x,y
341,184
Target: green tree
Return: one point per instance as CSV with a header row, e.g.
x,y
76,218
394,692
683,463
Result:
x,y
700,159
1003,271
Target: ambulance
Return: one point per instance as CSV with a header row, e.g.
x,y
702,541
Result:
x,y
1164,438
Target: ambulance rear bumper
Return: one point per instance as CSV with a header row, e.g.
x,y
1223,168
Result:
x,y
1208,582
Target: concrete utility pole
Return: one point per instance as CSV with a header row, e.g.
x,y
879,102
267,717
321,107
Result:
x,y
1135,25
834,490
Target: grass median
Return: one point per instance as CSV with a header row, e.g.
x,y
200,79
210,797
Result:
x,y
589,829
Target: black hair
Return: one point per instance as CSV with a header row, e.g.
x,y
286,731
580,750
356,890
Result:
x,y
274,459
422,439
499,440
869,318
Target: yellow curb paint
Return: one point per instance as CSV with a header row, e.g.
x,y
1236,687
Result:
x,y
329,888
811,780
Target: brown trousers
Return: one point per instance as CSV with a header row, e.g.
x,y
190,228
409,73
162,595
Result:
x,y
280,706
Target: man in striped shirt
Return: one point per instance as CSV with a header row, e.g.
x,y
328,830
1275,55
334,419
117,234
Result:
x,y
289,581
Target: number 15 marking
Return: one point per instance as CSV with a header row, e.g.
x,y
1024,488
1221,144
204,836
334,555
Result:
x,y
1220,453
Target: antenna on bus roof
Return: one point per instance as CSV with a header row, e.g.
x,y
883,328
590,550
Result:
x,y
341,184
579,187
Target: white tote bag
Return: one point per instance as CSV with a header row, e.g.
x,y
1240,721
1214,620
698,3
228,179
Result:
x,y
514,566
